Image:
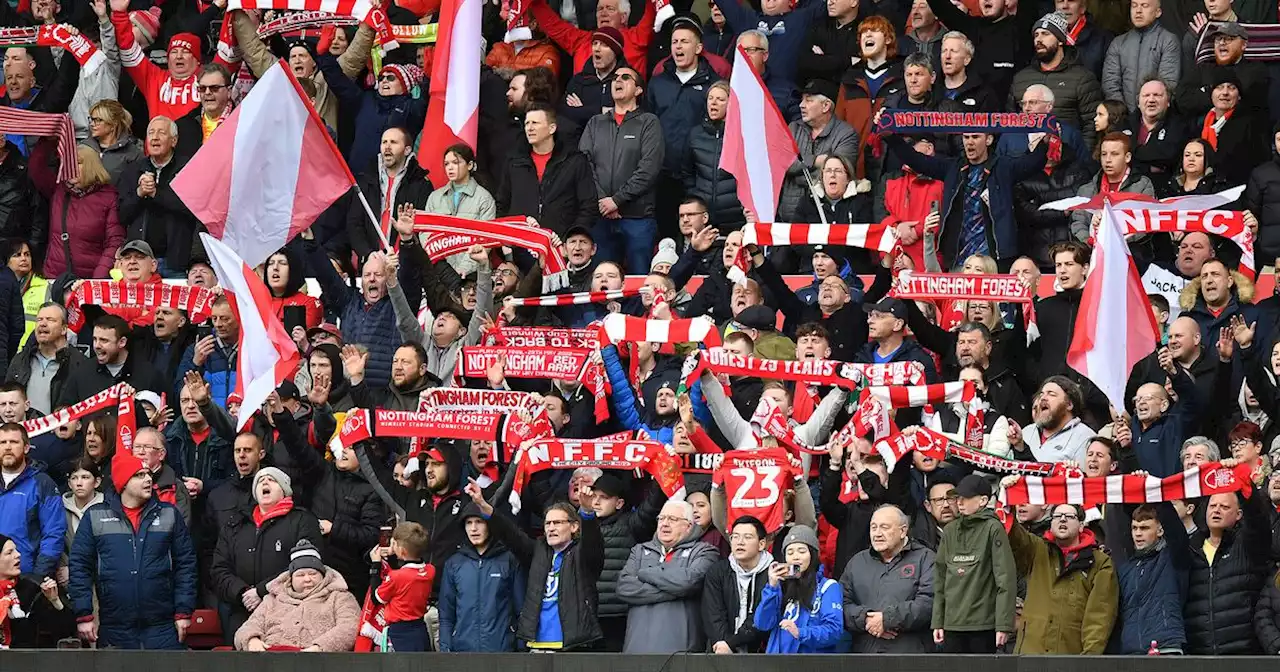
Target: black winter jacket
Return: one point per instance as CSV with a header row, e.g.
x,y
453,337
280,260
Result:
x,y
1219,611
70,363
680,107
1266,619
592,90
720,600
1056,317
24,214
1243,143
626,160
703,178
1001,46
1262,197
1039,229
621,531
162,220
414,188
565,197
853,520
1160,158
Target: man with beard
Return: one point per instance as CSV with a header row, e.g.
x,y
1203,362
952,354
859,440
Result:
x,y
367,316
1159,137
939,509
394,180
1057,435
409,377
1216,298
155,213
888,589
972,344
452,327
1064,614
1229,562
216,356
47,362
31,512
1195,90
114,365
999,35
197,126
1153,581
1076,91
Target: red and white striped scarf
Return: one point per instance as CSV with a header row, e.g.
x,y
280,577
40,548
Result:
x,y
23,122
543,337
868,236
937,394
551,453
1200,481
575,299
61,417
540,241
365,11
55,35
825,372
887,373
937,446
303,20
196,301
519,25
439,246
620,328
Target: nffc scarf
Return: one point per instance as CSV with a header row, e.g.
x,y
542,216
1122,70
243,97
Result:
x,y
619,328
524,417
1263,44
1226,223
960,287
879,237
466,425
197,302
575,299
544,337
937,446
555,272
914,122
576,364
1201,481
915,396
768,421
61,417
824,372
364,11
295,21
649,456
440,246
24,122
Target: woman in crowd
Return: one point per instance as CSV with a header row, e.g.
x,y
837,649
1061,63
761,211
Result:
x,y
800,608
110,137
461,197
100,444
84,228
1197,175
31,285
1110,116
307,608
702,175
286,277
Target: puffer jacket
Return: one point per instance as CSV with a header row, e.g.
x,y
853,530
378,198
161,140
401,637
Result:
x,y
1137,55
83,223
1072,594
594,91
1039,229
664,591
1240,303
901,590
481,595
371,325
1266,619
1153,587
621,532
1262,198
326,616
31,516
144,577
1076,92
23,214
703,177
836,139
1219,610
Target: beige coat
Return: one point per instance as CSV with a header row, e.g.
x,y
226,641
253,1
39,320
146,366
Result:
x,y
327,617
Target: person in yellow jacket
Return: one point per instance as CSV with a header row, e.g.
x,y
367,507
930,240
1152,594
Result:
x,y
35,289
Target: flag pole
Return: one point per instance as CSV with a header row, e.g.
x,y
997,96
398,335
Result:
x,y
377,226
813,194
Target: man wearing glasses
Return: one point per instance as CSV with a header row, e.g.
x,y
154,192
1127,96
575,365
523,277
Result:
x,y
149,446
214,90
939,509
1072,592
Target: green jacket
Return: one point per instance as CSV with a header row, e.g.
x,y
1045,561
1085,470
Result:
x,y
1071,602
974,577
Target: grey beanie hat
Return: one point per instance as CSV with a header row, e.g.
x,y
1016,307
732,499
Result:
x,y
305,556
801,534
275,475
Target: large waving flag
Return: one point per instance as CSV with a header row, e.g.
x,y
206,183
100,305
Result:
x,y
454,111
268,171
1114,327
758,147
267,356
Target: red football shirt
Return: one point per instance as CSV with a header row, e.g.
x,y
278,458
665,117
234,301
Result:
x,y
406,592
753,483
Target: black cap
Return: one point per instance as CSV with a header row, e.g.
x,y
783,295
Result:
x,y
287,390
686,22
609,486
836,252
821,87
973,485
894,307
578,231
461,315
1226,76
758,317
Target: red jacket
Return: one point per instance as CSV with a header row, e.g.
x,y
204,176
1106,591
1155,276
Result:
x,y
907,199
576,41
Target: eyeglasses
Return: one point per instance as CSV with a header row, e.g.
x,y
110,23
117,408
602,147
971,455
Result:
x,y
97,120
672,519
835,170
555,523
1065,516
210,88
626,77
504,273
944,499
691,215
755,50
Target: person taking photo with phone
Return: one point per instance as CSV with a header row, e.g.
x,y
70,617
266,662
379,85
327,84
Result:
x,y
802,609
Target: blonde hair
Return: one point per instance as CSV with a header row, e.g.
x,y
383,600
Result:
x,y
114,115
92,172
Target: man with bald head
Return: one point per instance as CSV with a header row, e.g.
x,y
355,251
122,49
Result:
x,y
888,589
1190,353
1160,420
1169,278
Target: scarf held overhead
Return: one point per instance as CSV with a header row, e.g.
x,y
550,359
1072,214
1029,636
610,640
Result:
x,y
61,417
361,425
55,35
196,301
907,122
542,242
960,287
544,337
24,122
575,299
867,236
934,445
649,456
1200,481
365,11
619,328
542,363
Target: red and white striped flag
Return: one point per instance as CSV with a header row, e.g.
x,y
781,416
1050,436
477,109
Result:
x,y
867,236
758,147
454,111
1200,481
268,173
267,356
1115,329
626,329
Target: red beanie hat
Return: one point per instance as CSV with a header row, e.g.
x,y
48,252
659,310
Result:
x,y
124,466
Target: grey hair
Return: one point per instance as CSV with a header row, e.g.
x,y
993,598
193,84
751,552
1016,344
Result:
x,y
1041,90
823,99
686,509
903,519
151,430
591,473
173,125
957,35
919,59
624,7
764,39
1215,453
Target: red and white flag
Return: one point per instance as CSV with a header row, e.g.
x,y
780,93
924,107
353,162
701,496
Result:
x,y
1115,328
758,147
267,173
454,110
267,356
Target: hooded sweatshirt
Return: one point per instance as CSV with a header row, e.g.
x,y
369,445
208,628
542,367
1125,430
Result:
x,y
744,578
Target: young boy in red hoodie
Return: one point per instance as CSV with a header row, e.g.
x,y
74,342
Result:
x,y
407,589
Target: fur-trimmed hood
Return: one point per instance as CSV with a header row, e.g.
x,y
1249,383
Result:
x,y
1243,291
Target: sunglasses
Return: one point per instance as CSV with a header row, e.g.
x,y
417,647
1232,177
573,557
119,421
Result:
x,y
210,88
387,78
627,77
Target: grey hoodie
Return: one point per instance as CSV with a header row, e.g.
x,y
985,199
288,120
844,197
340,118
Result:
x,y
745,577
441,361
665,594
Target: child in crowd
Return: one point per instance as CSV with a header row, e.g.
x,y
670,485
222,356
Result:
x,y
407,589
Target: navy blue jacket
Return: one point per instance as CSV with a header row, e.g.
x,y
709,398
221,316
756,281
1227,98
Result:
x,y
373,112
1157,446
143,578
374,326
680,108
787,34
909,352
1005,173
31,515
1153,586
480,599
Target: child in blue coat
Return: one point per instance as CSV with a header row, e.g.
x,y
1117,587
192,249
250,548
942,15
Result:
x,y
802,610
